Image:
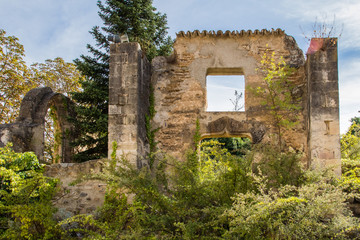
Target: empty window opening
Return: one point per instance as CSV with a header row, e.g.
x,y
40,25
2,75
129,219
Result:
x,y
225,93
52,137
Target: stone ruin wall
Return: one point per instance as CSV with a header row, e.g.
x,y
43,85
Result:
x,y
75,197
323,102
180,88
129,89
179,84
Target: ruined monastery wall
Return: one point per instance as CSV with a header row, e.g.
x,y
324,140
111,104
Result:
x,y
180,87
180,91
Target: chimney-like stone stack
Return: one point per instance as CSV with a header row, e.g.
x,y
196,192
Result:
x,y
323,99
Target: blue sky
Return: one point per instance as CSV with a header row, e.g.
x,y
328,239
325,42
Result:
x,y
52,28
220,92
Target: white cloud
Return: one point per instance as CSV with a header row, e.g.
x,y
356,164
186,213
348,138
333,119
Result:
x,y
50,28
349,87
346,14
220,89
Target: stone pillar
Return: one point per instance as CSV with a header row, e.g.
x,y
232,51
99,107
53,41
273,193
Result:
x,y
323,91
129,87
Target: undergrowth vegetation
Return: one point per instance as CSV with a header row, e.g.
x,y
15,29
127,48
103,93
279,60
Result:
x,y
221,196
26,211
264,194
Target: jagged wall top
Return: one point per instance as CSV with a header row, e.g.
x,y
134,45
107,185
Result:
x,y
228,33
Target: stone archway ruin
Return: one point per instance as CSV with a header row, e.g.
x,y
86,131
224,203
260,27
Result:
x,y
228,127
27,133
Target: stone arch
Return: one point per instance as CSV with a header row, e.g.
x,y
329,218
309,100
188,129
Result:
x,y
229,127
27,133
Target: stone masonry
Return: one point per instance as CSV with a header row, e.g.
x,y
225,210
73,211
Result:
x,y
323,128
77,194
129,88
179,85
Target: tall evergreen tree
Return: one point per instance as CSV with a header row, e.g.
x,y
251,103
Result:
x,y
143,24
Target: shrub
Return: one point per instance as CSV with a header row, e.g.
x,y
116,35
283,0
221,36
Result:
x,y
25,196
278,167
264,195
312,211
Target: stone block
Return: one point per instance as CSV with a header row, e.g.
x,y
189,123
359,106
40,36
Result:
x,y
113,96
123,99
115,109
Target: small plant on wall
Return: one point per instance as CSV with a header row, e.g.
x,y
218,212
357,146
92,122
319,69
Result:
x,y
276,94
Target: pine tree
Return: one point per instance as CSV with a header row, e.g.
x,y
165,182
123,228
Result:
x,y
143,24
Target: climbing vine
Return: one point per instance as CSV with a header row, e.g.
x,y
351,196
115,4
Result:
x,y
150,132
197,136
52,136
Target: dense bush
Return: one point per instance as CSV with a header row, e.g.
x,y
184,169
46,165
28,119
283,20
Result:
x,y
235,145
350,142
316,210
220,196
25,196
211,195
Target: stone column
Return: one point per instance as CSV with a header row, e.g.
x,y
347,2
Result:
x,y
129,83
323,92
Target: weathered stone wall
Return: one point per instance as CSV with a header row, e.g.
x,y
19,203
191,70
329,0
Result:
x,y
129,84
82,197
179,83
180,87
324,132
27,133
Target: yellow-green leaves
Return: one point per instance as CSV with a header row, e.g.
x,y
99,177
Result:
x,y
25,196
16,78
61,76
214,160
350,143
276,93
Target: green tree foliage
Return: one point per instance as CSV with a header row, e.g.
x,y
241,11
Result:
x,y
350,152
15,77
276,93
172,201
356,120
228,197
262,195
235,145
350,181
350,142
279,167
25,196
316,210
213,160
61,76
142,23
